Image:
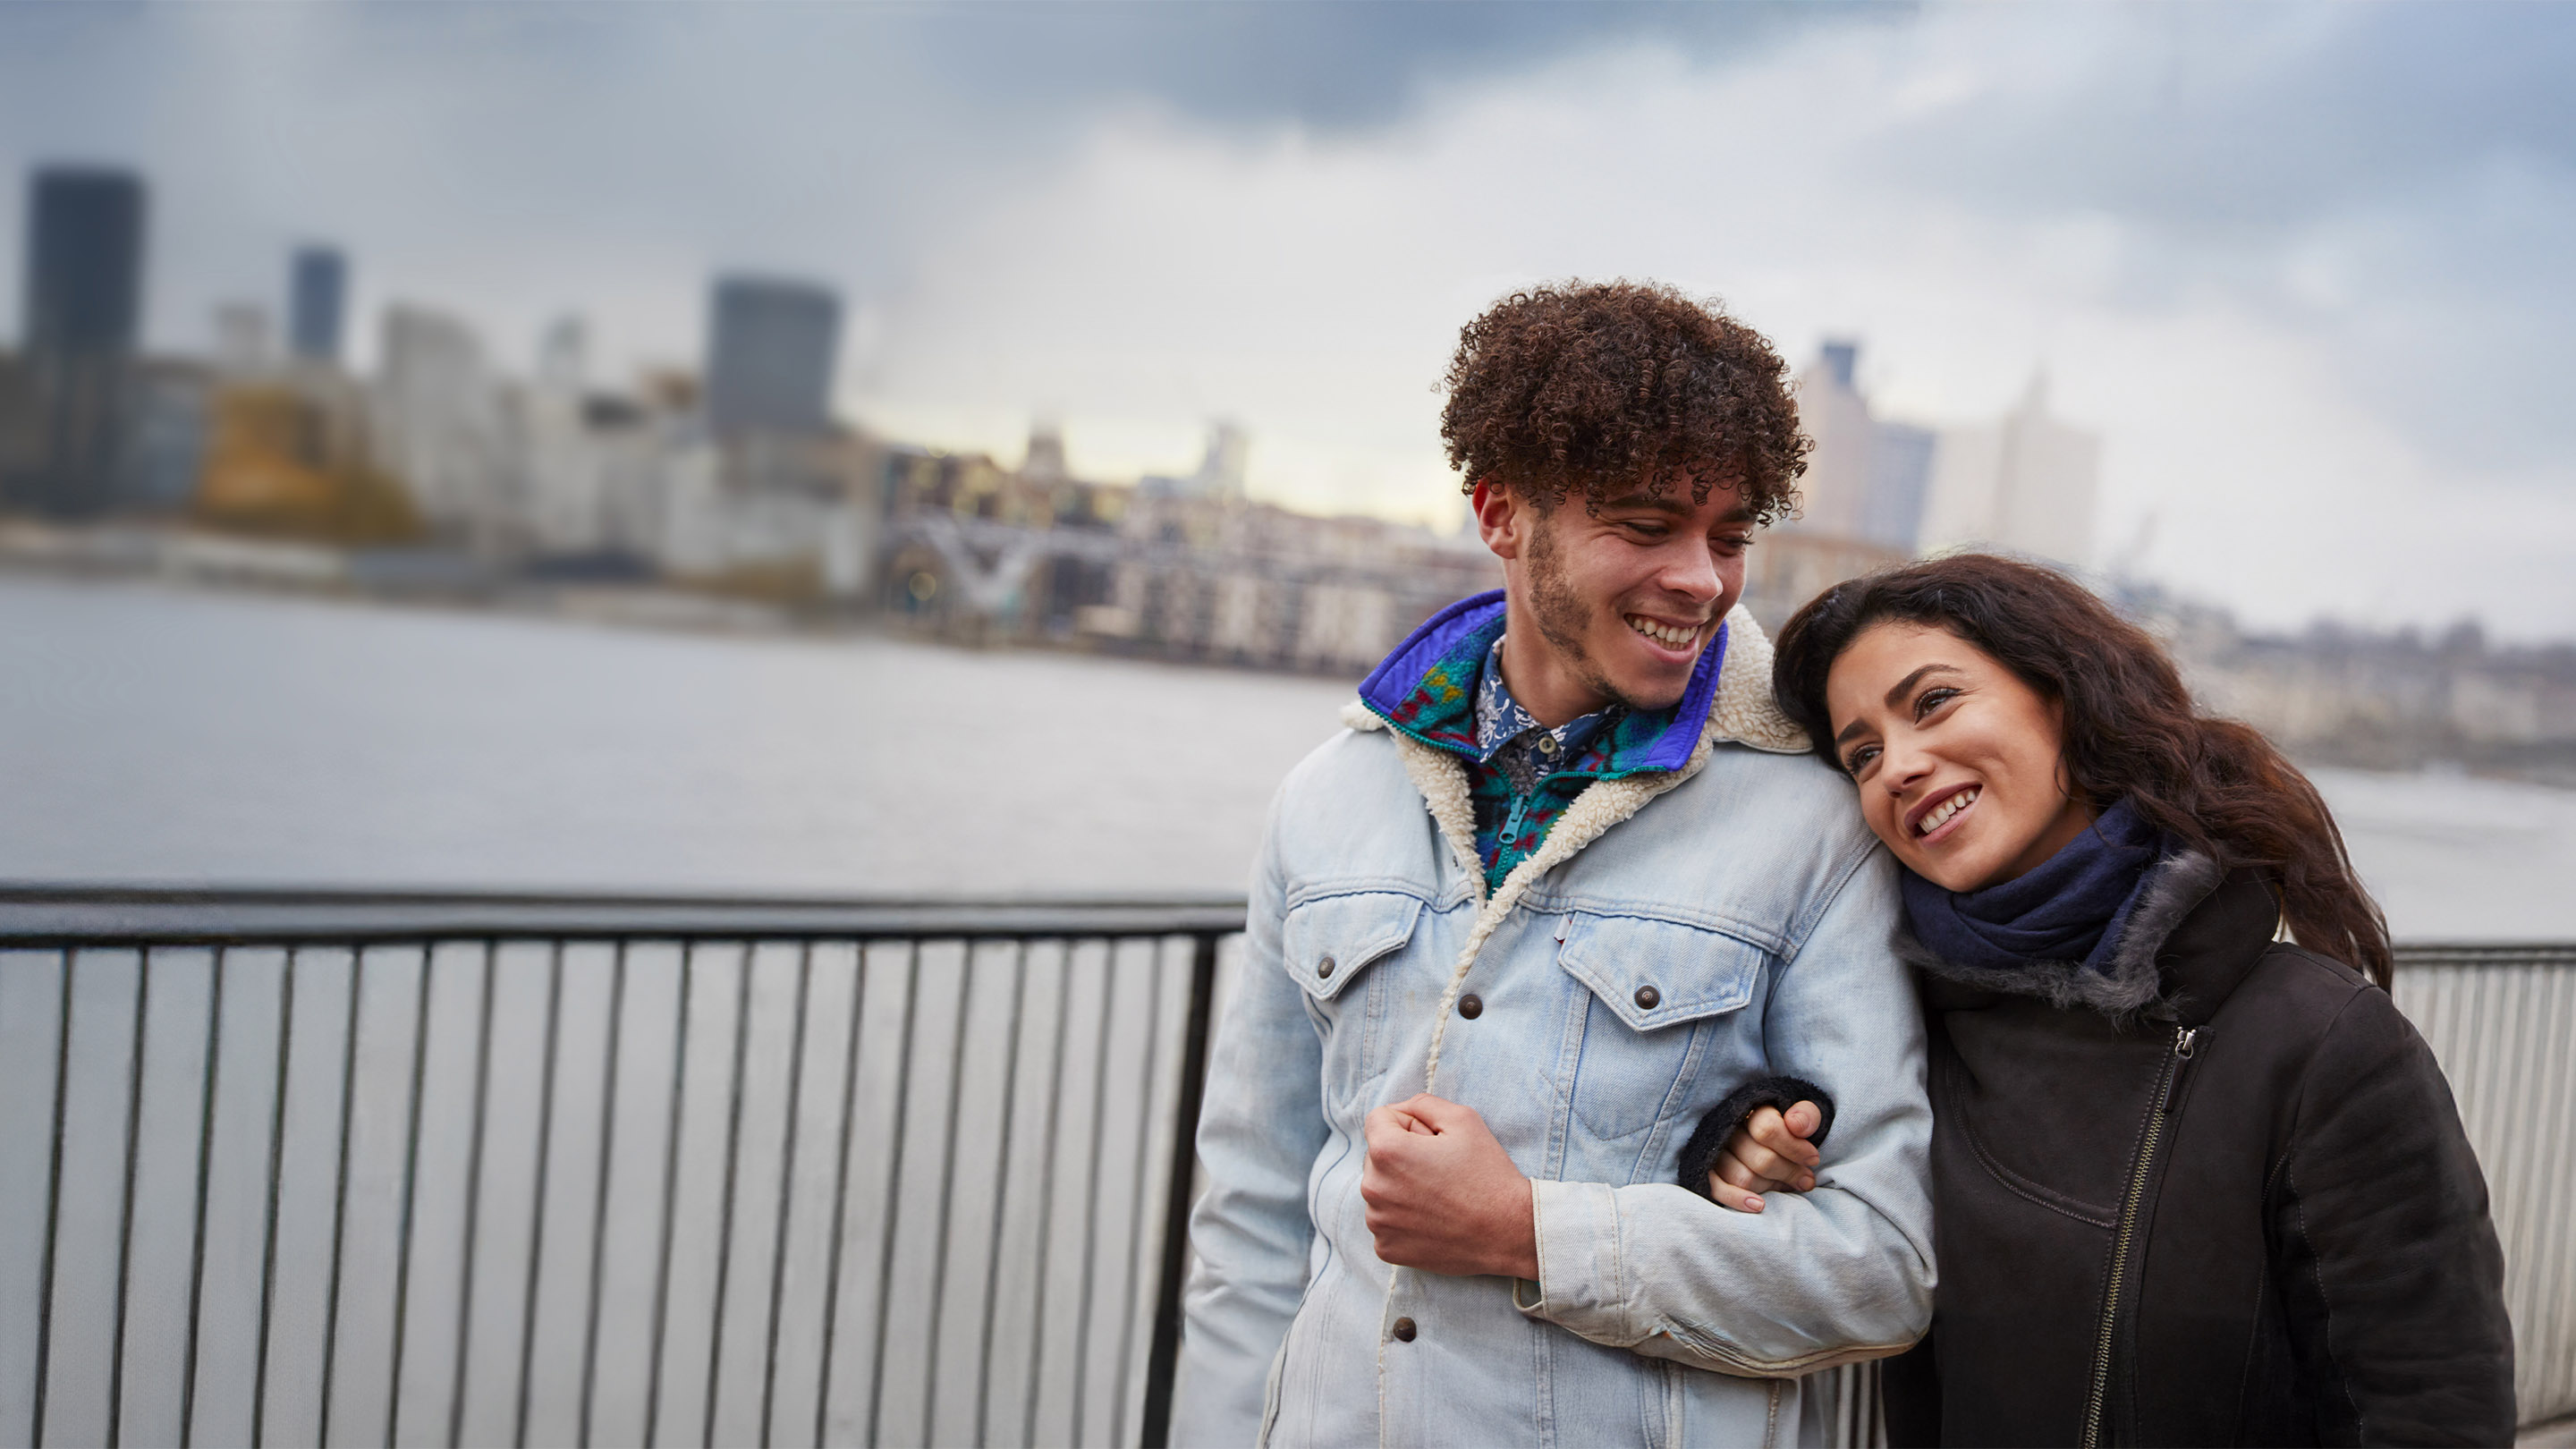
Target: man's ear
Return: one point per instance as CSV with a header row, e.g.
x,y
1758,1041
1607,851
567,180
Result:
x,y
1502,519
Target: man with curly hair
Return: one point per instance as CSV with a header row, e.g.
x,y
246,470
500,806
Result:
x,y
1565,881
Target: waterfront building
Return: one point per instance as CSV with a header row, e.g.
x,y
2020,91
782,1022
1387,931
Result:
x,y
2027,482
771,346
1833,494
439,425
83,305
245,340
1866,476
317,299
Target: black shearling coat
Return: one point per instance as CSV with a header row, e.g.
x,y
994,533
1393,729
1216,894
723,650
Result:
x,y
2220,1196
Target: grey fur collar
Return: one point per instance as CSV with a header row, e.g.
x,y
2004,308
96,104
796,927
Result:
x,y
2176,885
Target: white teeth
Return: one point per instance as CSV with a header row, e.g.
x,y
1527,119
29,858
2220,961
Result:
x,y
1664,634
1939,815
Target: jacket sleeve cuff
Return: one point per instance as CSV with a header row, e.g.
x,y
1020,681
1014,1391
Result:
x,y
1582,1283
1700,1153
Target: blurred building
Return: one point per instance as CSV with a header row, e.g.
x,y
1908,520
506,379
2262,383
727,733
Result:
x,y
438,425
2384,701
317,300
1867,477
2028,483
771,346
245,339
161,452
1175,567
83,304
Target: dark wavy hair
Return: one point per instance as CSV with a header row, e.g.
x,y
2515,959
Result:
x,y
2130,728
1588,387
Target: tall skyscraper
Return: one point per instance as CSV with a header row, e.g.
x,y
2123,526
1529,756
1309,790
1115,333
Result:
x,y
317,300
770,349
84,300
2028,483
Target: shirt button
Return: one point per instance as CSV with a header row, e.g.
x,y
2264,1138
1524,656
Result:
x,y
1547,744
1470,1007
1404,1330
1648,998
1324,968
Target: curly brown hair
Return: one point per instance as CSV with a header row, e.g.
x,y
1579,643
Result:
x,y
1588,387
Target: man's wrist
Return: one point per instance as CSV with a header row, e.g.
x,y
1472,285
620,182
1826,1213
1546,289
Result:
x,y
1517,1255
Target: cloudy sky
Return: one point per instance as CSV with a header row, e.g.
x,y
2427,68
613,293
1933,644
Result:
x,y
2306,268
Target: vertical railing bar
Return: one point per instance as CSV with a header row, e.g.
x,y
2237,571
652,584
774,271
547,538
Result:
x,y
125,1224
1091,1191
599,1198
1001,1189
473,1200
894,1180
1137,1215
1046,1195
340,1193
53,1212
841,1189
1162,1363
276,1168
197,1246
947,1188
537,1205
2552,995
670,1195
786,1186
724,1213
410,1191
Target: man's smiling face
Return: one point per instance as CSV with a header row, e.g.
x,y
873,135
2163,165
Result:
x,y
1621,599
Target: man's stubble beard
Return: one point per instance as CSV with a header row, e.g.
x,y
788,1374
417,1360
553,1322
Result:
x,y
1562,614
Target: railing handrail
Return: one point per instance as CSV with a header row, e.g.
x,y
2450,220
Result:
x,y
53,917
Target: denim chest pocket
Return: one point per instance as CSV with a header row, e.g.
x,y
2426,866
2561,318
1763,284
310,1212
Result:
x,y
1654,996
1327,945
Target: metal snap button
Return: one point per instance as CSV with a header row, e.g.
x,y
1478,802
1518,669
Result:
x,y
1648,998
1470,1007
1404,1330
1324,968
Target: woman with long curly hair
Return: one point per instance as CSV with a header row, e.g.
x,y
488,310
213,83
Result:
x,y
2196,1180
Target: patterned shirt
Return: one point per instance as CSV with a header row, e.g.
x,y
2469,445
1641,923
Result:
x,y
1516,755
1443,686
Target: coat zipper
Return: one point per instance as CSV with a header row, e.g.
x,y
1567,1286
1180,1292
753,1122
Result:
x,y
2168,1089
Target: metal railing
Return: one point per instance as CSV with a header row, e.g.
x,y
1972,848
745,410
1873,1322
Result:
x,y
313,1167
2501,1019
321,1168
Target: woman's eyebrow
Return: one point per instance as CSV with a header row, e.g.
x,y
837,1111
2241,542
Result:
x,y
1905,686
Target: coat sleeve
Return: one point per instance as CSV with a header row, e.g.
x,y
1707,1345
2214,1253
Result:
x,y
1260,1128
2388,1265
1837,1275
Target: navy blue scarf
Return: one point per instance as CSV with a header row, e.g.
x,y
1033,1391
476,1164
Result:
x,y
2067,909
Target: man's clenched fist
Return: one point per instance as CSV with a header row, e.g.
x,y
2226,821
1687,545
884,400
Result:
x,y
1442,1194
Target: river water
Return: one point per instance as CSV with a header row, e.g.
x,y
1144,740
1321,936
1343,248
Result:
x,y
150,734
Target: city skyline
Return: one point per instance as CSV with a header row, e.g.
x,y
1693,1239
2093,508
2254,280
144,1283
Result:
x,y
2293,262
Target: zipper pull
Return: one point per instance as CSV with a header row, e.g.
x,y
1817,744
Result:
x,y
2186,1043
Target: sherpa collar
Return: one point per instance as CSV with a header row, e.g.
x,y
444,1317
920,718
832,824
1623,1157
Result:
x,y
2191,933
1739,710
1427,689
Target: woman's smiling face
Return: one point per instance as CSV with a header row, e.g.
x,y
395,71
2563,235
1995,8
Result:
x,y
1958,761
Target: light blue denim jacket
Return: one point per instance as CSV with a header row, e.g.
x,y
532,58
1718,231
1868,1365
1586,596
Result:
x,y
1742,888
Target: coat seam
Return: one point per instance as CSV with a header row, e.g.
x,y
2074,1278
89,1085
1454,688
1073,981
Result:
x,y
2299,1207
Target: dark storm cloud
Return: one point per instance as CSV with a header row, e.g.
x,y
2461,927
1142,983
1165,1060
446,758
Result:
x,y
2398,180
2223,120
1327,66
